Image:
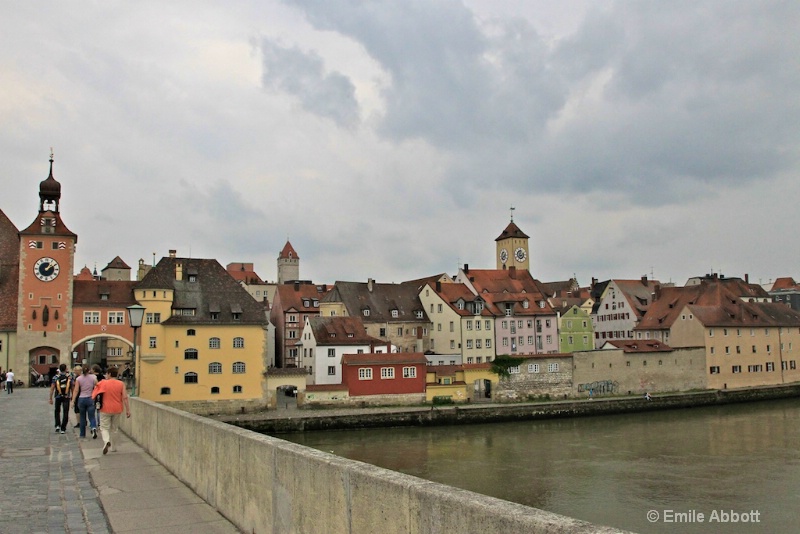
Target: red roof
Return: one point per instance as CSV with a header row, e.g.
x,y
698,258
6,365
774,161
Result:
x,y
288,252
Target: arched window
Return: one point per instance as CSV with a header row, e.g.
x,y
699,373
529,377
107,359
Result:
x,y
237,389
238,343
238,367
190,354
190,378
215,390
213,343
214,368
165,391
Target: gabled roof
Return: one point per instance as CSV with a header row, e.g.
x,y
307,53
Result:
x,y
380,300
512,230
116,263
786,282
714,301
298,297
499,287
381,358
563,305
212,287
455,292
341,331
118,294
243,272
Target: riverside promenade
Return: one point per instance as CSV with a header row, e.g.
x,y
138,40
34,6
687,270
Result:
x,y
58,483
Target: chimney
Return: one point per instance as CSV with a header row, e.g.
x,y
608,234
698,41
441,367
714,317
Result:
x,y
438,286
657,294
297,285
466,268
594,282
512,272
172,253
644,280
178,270
370,284
746,278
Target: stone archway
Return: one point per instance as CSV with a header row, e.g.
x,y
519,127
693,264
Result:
x,y
42,361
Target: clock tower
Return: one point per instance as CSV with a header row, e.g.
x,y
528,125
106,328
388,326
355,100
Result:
x,y
46,264
512,248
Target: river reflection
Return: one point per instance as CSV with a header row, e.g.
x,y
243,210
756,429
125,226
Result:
x,y
612,470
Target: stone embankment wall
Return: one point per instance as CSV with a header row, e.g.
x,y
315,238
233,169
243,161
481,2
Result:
x,y
495,413
266,485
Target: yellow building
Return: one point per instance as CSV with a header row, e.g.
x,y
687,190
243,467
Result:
x,y
202,344
748,340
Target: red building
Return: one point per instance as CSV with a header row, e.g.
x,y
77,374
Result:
x,y
384,374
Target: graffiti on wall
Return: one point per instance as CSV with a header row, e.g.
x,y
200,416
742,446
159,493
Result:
x,y
600,387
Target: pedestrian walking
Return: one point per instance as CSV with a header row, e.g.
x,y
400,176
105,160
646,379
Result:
x,y
61,389
10,381
98,373
76,372
82,398
115,399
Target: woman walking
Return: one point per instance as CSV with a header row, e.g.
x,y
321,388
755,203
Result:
x,y
84,385
115,398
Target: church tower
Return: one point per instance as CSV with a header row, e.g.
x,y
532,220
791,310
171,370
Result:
x,y
512,247
288,264
46,264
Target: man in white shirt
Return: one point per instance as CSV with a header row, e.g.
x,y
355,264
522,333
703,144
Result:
x,y
10,381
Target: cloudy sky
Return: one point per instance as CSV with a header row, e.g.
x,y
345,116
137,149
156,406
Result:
x,y
389,139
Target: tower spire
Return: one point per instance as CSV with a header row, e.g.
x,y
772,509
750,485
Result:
x,y
512,213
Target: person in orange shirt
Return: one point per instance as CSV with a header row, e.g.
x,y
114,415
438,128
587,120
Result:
x,y
115,398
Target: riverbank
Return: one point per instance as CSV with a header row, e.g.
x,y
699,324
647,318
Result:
x,y
287,421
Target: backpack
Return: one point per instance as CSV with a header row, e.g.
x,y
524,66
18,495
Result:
x,y
63,384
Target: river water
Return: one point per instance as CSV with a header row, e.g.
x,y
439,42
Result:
x,y
691,470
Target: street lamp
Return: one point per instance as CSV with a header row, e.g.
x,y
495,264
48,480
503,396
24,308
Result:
x,y
135,316
89,349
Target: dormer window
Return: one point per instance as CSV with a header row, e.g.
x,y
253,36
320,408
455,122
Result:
x,y
316,303
192,278
366,312
395,313
237,316
306,302
525,304
418,314
541,304
214,316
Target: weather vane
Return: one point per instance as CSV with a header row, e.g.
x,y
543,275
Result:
x,y
512,213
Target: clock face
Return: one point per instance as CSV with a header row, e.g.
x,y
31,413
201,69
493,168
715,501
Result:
x,y
519,254
504,255
46,269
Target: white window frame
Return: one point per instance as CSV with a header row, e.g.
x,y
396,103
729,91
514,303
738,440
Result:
x,y
387,373
365,373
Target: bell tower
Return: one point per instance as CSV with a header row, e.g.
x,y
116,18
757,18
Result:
x,y
288,264
512,247
46,264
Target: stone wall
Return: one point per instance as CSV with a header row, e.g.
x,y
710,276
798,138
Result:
x,y
496,413
341,399
266,485
217,407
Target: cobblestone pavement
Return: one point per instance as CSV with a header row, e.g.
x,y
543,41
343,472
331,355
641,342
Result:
x,y
45,486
